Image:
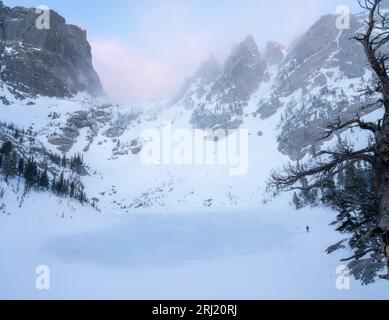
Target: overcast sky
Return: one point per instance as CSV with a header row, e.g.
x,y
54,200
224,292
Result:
x,y
144,50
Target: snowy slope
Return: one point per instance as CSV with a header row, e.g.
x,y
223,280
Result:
x,y
124,181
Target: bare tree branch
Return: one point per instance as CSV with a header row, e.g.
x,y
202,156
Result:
x,y
373,43
356,122
320,170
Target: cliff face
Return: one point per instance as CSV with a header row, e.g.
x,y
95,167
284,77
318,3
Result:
x,y
319,81
56,62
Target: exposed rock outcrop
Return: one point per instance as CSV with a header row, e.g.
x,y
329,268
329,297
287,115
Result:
x,y
243,72
274,53
217,96
55,62
317,82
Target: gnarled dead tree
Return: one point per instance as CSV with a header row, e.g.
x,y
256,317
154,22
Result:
x,y
328,163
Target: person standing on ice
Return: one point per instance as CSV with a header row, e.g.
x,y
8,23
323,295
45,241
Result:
x,y
308,229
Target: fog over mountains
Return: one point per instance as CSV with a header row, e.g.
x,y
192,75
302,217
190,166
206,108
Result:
x,y
314,81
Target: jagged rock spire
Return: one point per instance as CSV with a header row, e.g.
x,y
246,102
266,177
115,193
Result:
x,y
243,72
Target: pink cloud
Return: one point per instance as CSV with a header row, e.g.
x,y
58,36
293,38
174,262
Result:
x,y
128,76
131,76
135,74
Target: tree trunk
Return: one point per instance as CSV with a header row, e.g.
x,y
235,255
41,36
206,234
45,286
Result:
x,y
382,182
382,171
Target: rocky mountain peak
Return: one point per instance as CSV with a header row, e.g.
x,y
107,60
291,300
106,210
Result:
x,y
274,53
53,62
322,47
209,70
242,73
249,43
247,49
222,105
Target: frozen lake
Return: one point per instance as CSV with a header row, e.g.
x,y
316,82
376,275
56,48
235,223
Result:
x,y
172,256
155,241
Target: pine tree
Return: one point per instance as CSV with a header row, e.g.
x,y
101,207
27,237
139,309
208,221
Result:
x,y
44,180
298,203
54,184
10,167
6,148
64,161
60,185
72,189
309,195
21,167
30,173
77,163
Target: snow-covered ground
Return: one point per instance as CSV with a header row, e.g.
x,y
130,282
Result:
x,y
264,254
